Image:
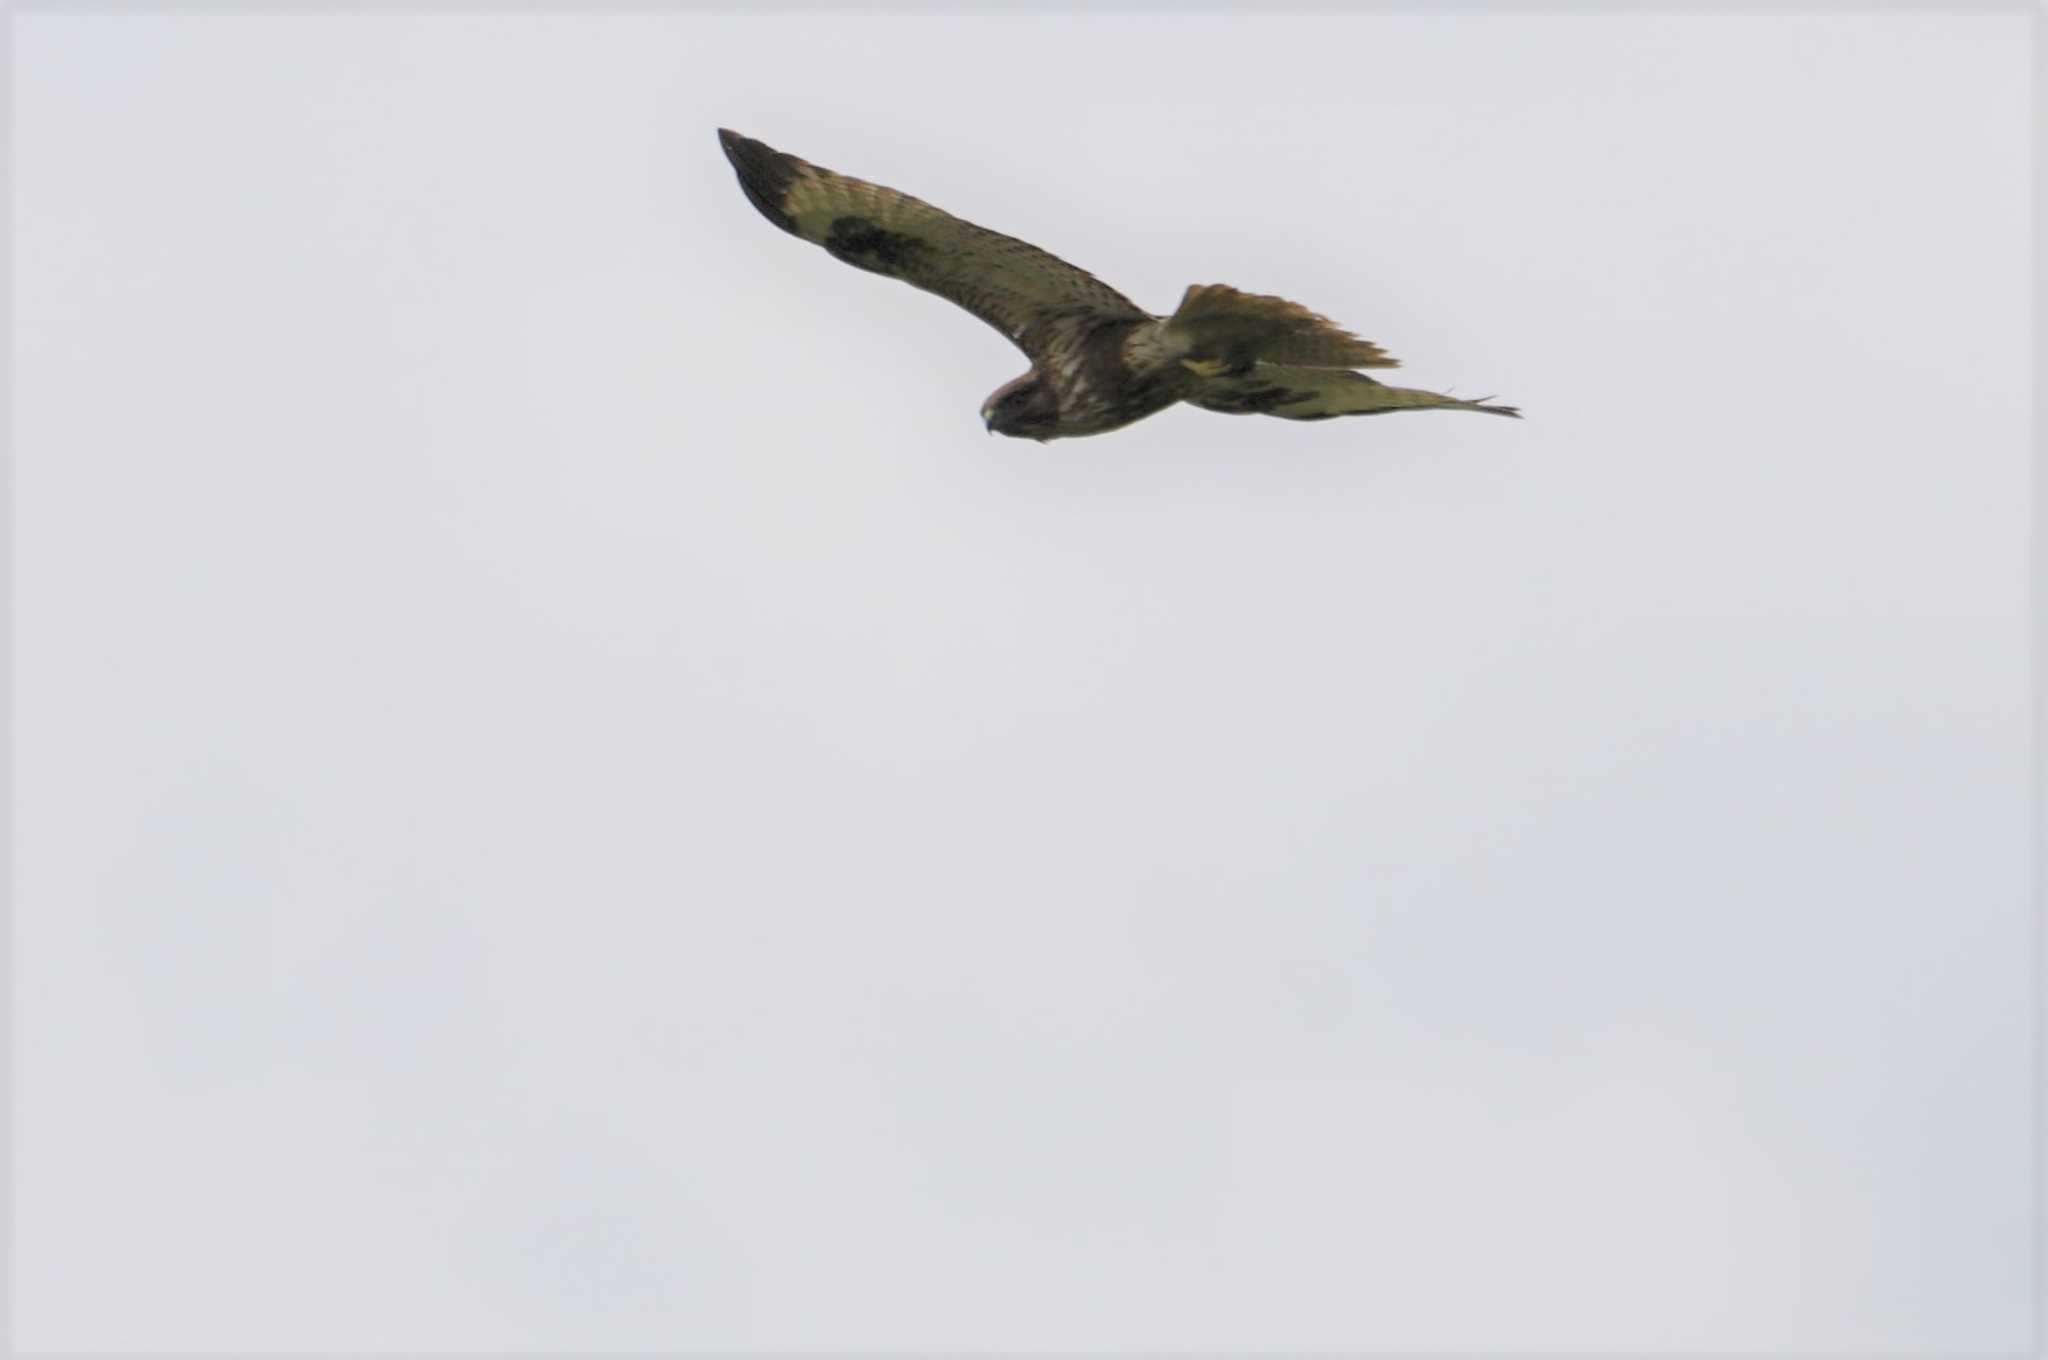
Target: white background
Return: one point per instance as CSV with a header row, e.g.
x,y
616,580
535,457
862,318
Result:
x,y
569,797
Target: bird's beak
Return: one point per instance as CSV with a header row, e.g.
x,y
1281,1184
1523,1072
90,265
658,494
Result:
x,y
988,426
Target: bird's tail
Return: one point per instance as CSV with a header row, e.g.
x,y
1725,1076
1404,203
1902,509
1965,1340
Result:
x,y
1219,330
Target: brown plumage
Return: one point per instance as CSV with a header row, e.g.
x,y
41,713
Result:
x,y
1098,360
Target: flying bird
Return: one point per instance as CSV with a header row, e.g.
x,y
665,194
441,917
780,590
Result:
x,y
1098,360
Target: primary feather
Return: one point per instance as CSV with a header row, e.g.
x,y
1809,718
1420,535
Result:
x,y
1297,393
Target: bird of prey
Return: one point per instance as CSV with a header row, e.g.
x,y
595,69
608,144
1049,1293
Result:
x,y
1098,360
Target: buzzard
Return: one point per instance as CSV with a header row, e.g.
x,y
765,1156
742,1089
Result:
x,y
1098,360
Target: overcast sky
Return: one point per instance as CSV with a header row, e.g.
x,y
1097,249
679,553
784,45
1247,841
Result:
x,y
569,797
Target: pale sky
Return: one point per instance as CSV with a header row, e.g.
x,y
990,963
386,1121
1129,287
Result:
x,y
568,797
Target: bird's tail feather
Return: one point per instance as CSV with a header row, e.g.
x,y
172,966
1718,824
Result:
x,y
1222,330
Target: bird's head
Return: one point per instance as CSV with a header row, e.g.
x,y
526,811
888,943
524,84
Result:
x,y
1023,408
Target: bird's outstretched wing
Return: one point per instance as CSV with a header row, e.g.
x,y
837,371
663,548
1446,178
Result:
x,y
1295,393
1011,284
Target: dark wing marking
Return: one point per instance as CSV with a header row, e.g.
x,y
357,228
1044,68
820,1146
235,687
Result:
x,y
1011,284
1319,393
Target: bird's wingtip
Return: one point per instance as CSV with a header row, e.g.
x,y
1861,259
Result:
x,y
764,172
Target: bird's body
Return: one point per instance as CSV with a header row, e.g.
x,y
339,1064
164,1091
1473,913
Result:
x,y
1098,360
1105,372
